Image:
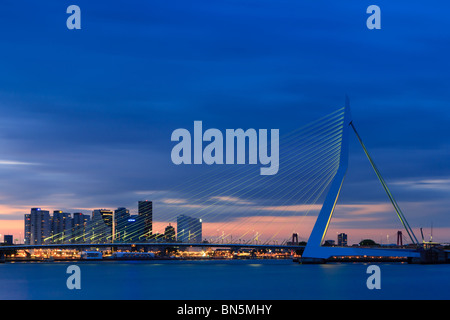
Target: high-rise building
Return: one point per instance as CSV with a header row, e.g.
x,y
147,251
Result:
x,y
27,231
107,216
62,225
80,222
342,239
121,216
145,210
189,230
133,230
169,234
100,226
37,227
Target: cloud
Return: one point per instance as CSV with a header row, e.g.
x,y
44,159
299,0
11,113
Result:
x,y
364,209
173,201
298,208
16,163
426,184
233,200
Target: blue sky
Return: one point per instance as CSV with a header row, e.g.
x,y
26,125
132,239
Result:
x,y
87,114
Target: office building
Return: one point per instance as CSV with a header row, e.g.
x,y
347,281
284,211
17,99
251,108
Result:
x,y
189,230
145,210
133,230
100,226
342,239
121,216
27,231
62,225
107,216
79,229
169,234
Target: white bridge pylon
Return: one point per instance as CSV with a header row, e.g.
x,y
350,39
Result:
x,y
314,251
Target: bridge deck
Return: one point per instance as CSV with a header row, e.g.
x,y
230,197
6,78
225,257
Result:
x,y
148,244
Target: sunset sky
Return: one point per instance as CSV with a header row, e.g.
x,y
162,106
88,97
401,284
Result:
x,y
87,115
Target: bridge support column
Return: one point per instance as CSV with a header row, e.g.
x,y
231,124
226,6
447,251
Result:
x,y
2,257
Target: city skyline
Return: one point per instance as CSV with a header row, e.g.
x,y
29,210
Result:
x,y
104,225
214,232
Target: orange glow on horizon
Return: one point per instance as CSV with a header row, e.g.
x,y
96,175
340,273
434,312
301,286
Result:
x,y
267,229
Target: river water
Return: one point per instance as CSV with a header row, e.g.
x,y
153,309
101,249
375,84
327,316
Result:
x,y
222,280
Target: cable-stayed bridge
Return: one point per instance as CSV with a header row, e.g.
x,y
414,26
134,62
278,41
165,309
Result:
x,y
313,165
315,251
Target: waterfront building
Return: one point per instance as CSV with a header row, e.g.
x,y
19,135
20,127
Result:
x,y
100,226
189,230
37,227
145,210
121,216
169,234
27,231
8,239
342,239
79,229
107,216
133,230
62,225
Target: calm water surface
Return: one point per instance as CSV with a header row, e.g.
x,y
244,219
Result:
x,y
211,280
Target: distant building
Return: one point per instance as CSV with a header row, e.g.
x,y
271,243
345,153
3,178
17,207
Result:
x,y
132,230
100,226
342,239
79,229
121,216
189,230
8,239
62,225
169,234
27,233
145,210
37,227
107,216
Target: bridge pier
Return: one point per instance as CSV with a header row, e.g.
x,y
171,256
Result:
x,y
2,257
